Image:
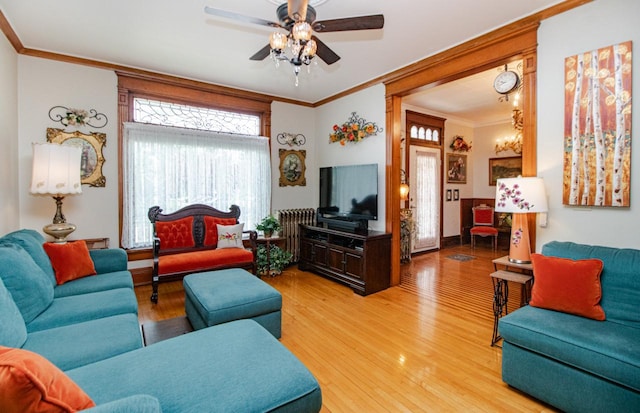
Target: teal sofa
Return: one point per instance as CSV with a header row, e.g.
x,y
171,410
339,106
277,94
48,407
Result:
x,y
89,329
578,364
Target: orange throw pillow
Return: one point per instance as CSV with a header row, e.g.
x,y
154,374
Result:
x,y
70,261
569,286
31,383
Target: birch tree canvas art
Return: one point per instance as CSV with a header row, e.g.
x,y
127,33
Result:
x,y
597,132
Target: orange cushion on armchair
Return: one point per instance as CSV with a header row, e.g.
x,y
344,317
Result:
x,y
211,229
176,234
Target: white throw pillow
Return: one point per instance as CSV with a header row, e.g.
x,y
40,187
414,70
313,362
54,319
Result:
x,y
230,236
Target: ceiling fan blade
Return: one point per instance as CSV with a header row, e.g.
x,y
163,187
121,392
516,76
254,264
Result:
x,y
374,21
324,53
240,17
262,53
297,9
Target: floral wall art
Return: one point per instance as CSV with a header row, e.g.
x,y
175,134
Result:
x,y
354,130
597,132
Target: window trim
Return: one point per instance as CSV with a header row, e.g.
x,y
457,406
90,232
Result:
x,y
184,92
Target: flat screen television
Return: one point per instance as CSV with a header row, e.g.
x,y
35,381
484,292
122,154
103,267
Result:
x,y
349,192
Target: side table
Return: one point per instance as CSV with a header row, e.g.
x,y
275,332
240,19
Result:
x,y
500,280
97,243
267,242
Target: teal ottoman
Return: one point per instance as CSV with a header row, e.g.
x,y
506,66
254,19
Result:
x,y
217,297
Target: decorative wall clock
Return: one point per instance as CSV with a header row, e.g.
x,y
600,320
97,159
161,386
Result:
x,y
506,82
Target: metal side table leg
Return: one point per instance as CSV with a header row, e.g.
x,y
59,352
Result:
x,y
500,298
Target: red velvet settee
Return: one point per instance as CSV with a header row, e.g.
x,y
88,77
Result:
x,y
185,242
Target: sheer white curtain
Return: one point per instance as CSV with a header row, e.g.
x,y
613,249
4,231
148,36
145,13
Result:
x,y
174,167
425,189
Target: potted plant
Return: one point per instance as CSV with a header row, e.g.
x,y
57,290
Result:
x,y
268,226
278,260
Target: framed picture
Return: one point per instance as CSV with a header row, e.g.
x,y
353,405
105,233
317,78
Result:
x,y
456,195
456,168
448,195
292,167
509,167
597,139
92,157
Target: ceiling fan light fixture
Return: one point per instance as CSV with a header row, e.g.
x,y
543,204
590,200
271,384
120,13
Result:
x,y
310,49
301,31
278,41
298,18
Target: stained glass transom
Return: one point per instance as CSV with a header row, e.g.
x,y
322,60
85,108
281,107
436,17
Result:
x,y
192,117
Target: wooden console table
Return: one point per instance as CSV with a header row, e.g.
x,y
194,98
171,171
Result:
x,y
361,260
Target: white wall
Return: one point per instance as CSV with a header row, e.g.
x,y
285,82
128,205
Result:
x,y
594,25
370,105
293,119
9,204
451,210
43,84
486,138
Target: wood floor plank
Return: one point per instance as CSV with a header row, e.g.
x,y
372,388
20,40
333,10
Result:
x,y
421,346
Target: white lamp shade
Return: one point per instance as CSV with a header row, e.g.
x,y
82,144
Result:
x,y
520,195
56,169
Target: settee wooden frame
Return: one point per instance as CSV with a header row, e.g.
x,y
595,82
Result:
x,y
198,212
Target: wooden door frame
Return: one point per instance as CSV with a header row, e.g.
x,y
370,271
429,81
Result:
x,y
517,41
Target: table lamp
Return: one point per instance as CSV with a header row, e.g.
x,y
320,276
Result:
x,y
56,172
520,196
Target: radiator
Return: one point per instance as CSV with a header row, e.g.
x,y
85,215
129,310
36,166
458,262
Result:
x,y
289,221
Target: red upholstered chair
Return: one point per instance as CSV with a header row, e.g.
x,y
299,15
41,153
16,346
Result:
x,y
483,225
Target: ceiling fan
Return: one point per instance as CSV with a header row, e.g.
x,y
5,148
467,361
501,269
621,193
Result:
x,y
299,11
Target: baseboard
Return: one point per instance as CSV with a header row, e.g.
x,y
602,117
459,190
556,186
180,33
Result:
x,y
141,276
452,241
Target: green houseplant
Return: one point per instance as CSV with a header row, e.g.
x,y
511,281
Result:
x,y
278,260
268,225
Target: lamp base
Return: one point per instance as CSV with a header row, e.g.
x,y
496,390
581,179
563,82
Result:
x,y
59,232
517,261
519,245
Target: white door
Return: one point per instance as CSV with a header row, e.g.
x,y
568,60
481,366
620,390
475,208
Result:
x,y
424,190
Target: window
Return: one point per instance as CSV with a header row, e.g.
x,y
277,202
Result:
x,y
424,129
179,150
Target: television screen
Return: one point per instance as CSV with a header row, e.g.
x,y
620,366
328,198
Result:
x,y
349,191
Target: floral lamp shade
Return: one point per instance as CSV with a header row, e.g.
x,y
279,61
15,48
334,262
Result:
x,y
520,196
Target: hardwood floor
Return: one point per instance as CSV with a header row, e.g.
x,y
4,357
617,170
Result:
x,y
421,346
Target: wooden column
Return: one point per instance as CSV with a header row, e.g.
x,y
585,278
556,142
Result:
x,y
394,131
529,130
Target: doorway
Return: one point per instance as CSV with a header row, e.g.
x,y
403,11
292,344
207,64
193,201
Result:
x,y
515,41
